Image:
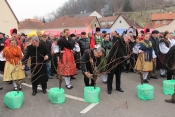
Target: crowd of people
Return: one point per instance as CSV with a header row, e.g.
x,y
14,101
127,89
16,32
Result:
x,y
110,54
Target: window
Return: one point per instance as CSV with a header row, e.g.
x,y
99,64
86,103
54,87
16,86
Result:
x,y
164,22
157,22
120,21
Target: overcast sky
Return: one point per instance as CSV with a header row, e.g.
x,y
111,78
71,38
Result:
x,y
29,8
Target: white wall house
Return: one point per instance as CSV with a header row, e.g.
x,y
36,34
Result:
x,y
170,27
8,20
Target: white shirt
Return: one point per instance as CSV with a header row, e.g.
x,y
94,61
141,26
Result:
x,y
163,48
77,47
172,42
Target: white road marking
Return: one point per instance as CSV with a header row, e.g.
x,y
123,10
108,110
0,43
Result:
x,y
88,108
68,96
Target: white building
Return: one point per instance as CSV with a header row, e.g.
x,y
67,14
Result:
x,y
8,20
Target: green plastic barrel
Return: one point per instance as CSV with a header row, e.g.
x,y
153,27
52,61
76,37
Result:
x,y
145,92
14,100
91,95
56,95
168,87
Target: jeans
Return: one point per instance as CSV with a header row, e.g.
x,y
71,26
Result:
x,y
48,67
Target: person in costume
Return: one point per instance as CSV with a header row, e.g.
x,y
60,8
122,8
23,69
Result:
x,y
98,38
84,42
2,63
90,58
92,40
66,62
117,55
13,65
106,44
13,33
146,57
39,55
155,44
164,47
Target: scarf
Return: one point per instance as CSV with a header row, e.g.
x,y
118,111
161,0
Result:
x,y
146,46
12,54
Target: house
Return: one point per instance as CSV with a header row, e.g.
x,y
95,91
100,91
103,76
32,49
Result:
x,y
74,24
84,14
29,25
162,22
118,23
106,22
8,19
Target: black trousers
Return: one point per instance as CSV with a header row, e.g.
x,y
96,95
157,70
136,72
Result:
x,y
169,75
54,64
2,64
86,81
77,59
34,86
118,77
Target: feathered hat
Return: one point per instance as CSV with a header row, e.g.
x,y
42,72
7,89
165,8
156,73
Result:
x,y
13,31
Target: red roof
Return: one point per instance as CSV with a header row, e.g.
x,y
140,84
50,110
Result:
x,y
52,32
30,24
163,16
69,22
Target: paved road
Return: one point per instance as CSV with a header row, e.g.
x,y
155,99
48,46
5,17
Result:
x,y
39,105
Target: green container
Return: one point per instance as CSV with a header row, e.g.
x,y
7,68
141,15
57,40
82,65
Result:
x,y
168,87
56,95
145,92
14,100
91,95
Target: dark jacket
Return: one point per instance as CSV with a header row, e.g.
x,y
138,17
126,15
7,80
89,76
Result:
x,y
155,43
48,45
38,64
85,63
1,42
84,44
115,55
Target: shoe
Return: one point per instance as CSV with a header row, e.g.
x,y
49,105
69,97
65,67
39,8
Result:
x,y
69,87
72,77
34,93
109,92
1,88
105,82
154,77
170,101
44,91
120,90
163,76
50,77
126,71
15,89
145,81
20,89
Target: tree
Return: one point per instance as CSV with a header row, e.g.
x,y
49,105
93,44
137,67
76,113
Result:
x,y
43,20
127,7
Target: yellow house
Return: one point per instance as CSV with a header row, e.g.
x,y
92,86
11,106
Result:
x,y
8,20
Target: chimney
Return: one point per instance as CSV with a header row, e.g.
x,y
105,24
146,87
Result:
x,y
84,11
170,12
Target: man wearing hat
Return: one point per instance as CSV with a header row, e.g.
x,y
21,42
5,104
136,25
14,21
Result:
x,y
84,42
44,40
13,33
103,33
155,43
98,38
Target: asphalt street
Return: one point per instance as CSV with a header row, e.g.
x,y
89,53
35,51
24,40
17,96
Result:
x,y
113,105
